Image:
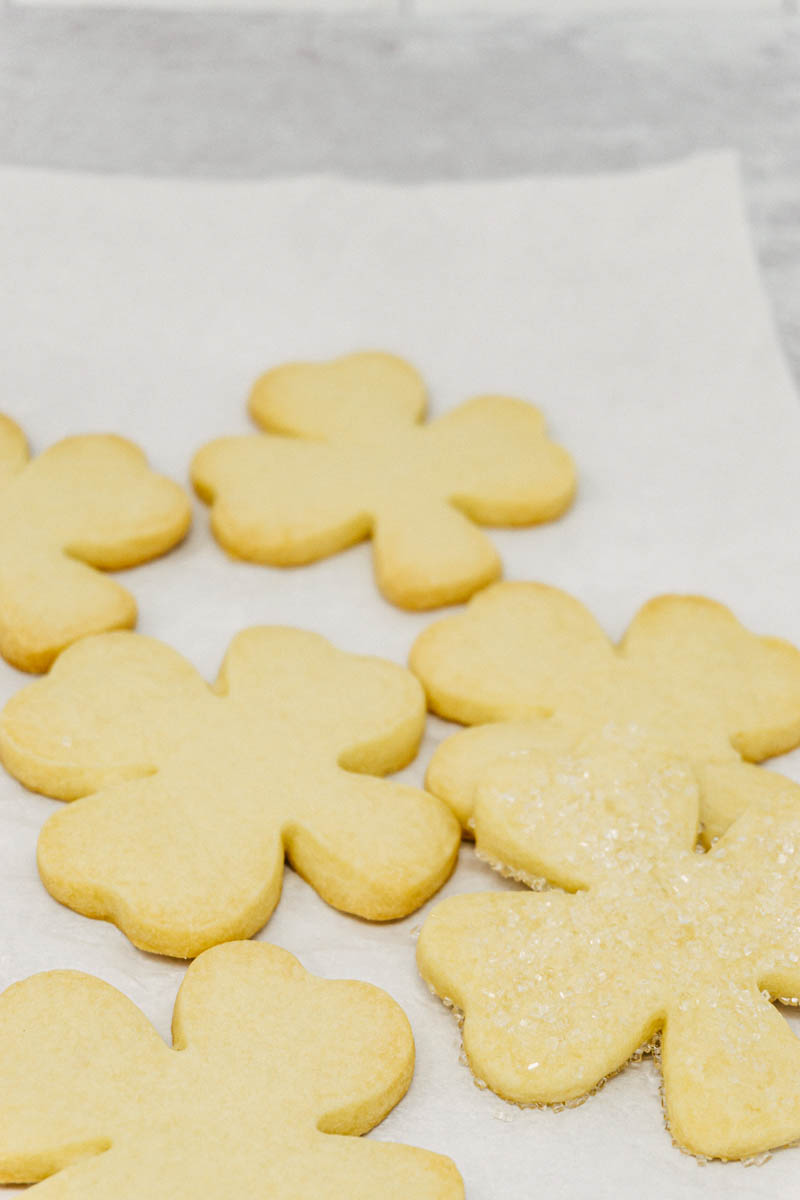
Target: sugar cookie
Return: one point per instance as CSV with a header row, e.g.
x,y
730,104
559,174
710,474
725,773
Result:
x,y
344,457
192,794
87,502
559,990
268,1062
687,678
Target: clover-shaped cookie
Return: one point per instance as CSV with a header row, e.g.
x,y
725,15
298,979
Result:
x,y
344,457
192,793
87,502
559,990
268,1062
686,678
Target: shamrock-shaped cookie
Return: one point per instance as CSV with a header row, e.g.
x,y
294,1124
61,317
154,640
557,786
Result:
x,y
559,990
344,457
87,502
192,793
268,1062
686,678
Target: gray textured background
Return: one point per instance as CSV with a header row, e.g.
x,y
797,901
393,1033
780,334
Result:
x,y
254,95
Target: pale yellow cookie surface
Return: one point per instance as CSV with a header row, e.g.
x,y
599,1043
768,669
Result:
x,y
344,457
268,1062
192,795
687,678
559,989
88,502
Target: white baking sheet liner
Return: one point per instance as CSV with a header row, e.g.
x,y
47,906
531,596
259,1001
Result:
x,y
628,306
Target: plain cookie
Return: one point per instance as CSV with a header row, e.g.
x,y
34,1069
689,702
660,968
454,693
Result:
x,y
88,502
192,795
268,1062
345,457
687,678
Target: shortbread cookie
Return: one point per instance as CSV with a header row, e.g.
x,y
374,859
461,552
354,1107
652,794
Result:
x,y
87,502
192,794
687,678
268,1062
345,457
559,990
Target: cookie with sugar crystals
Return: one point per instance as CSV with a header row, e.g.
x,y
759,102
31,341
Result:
x,y
87,504
530,667
188,797
344,455
559,988
267,1063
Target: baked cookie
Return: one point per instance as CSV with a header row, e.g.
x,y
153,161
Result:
x,y
88,502
193,794
559,990
267,1063
687,678
344,456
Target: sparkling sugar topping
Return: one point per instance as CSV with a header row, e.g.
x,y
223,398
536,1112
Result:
x,y
560,989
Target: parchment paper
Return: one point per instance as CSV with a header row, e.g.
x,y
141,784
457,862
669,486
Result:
x,y
627,306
